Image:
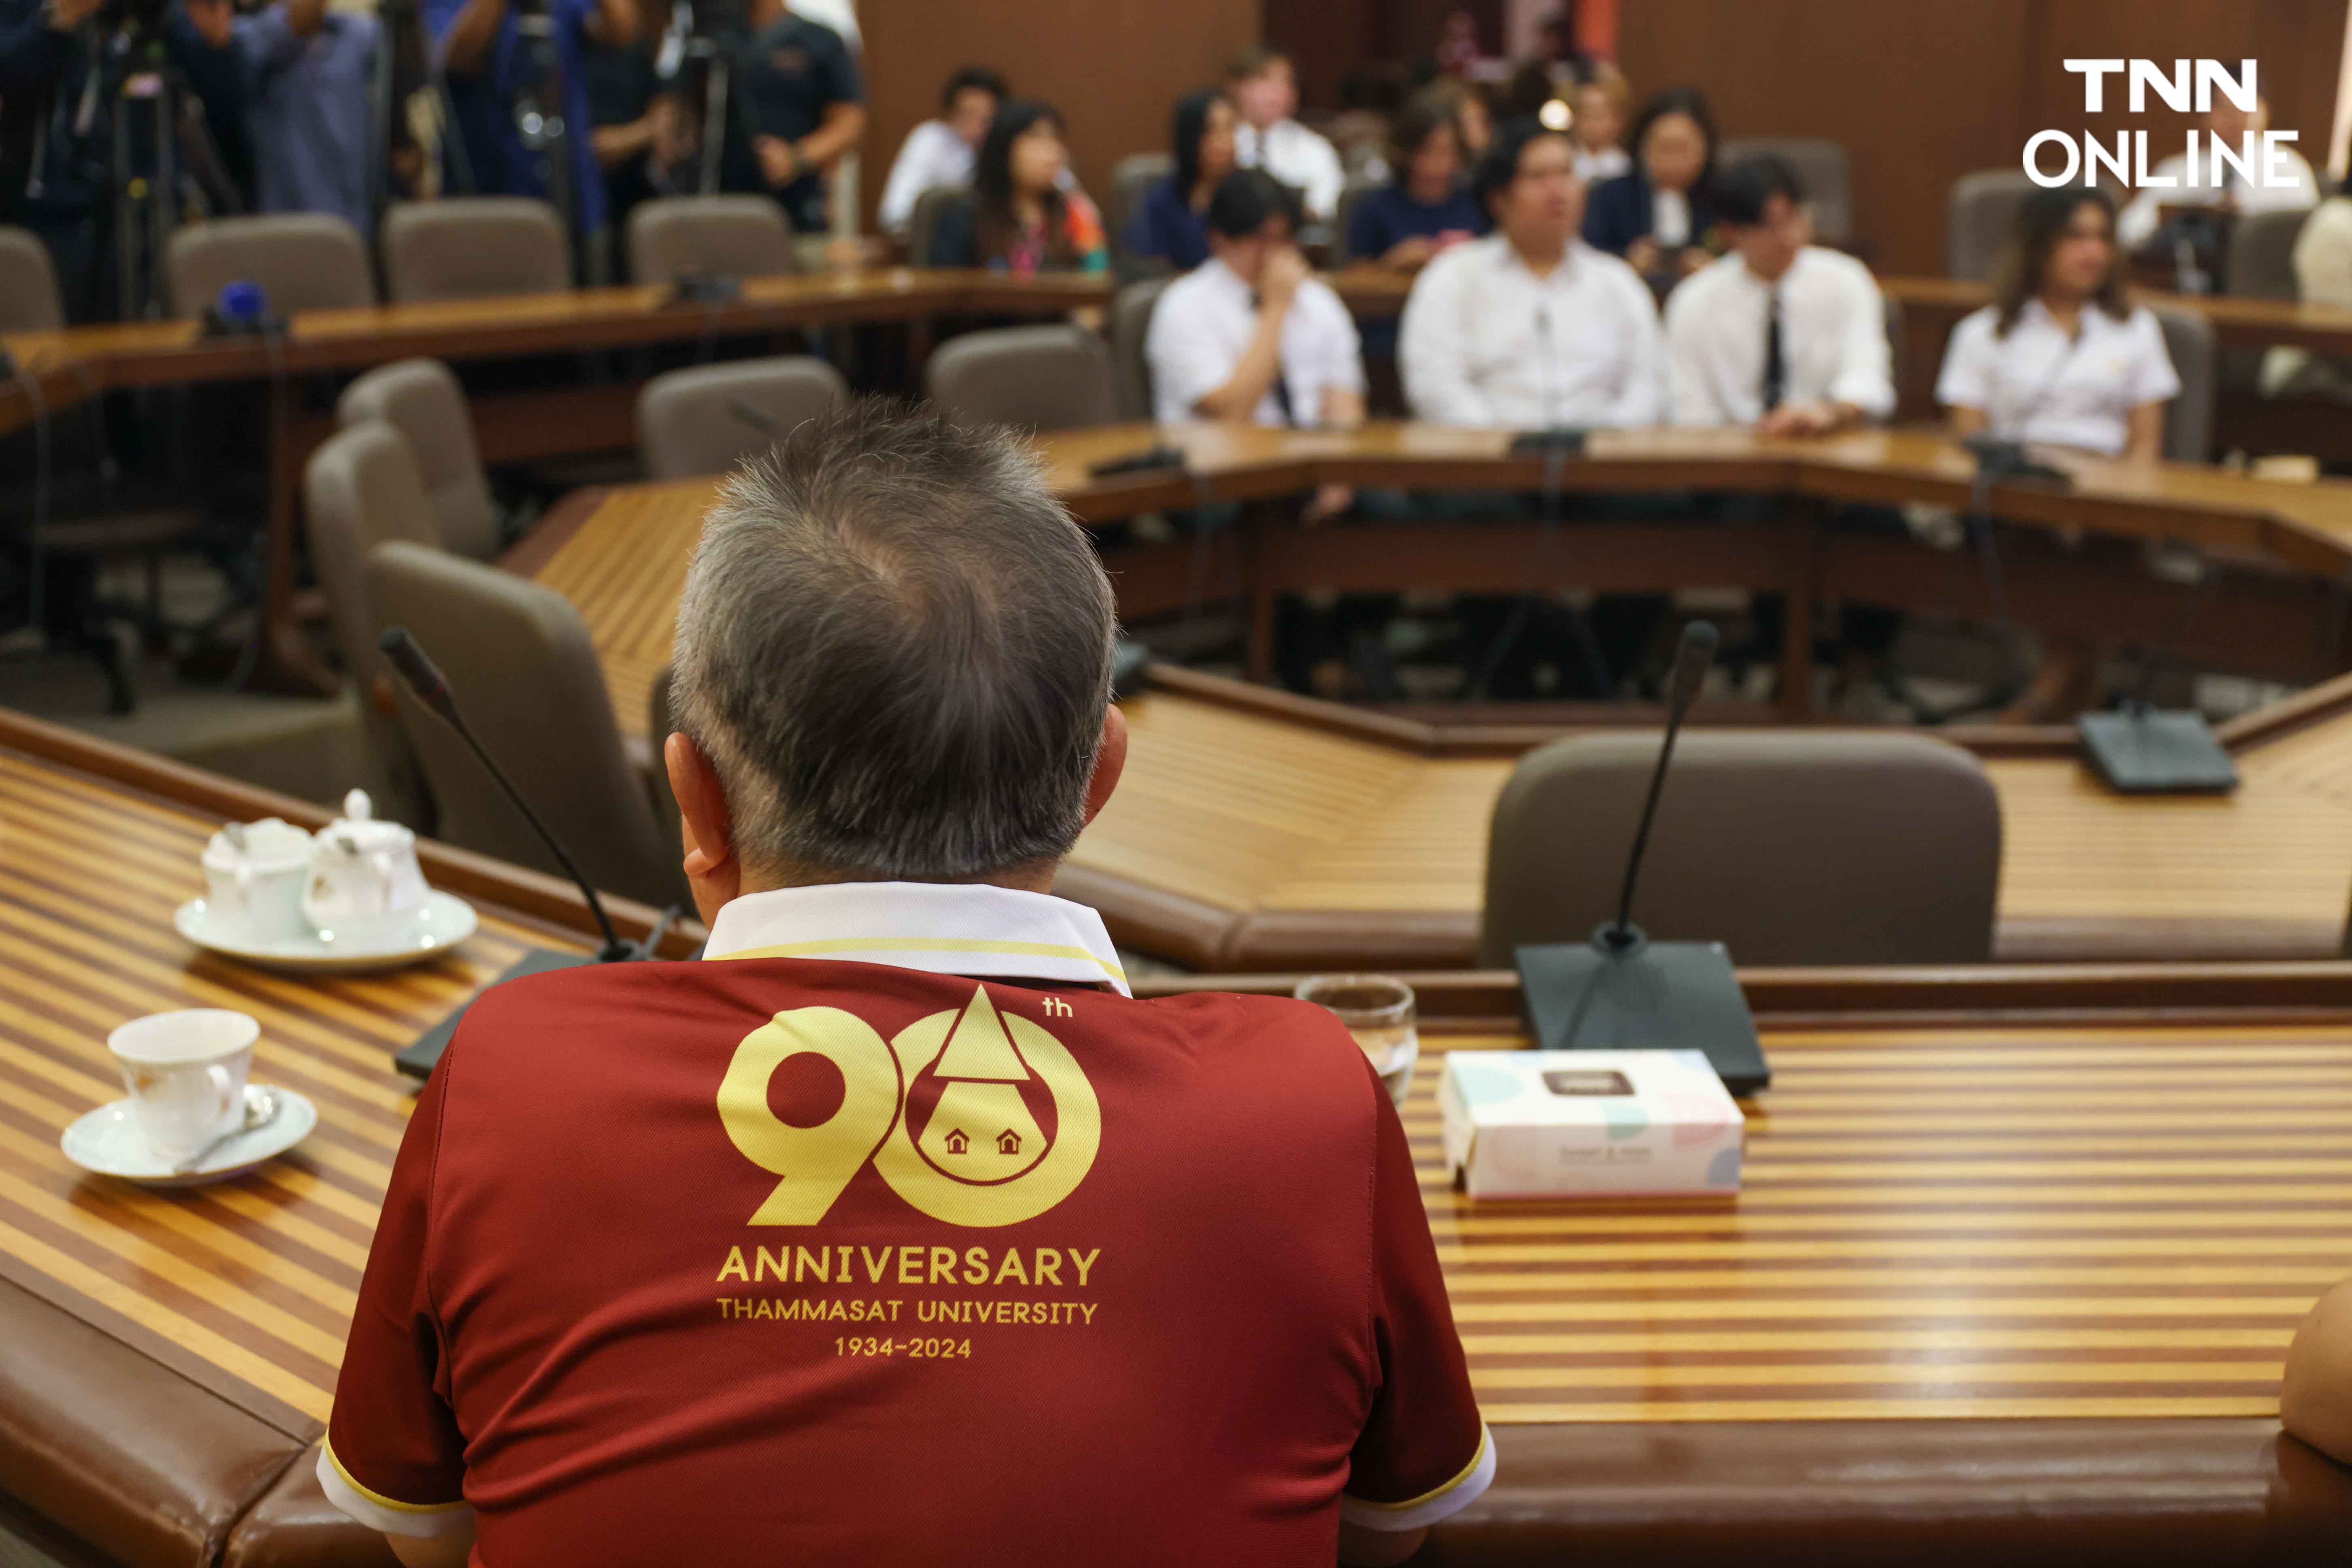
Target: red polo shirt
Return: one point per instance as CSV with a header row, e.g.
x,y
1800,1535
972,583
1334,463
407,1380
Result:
x,y
847,1262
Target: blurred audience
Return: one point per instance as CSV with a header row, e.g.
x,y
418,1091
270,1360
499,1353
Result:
x,y
643,139
798,104
1659,215
1427,206
1169,225
2062,354
2168,184
1780,334
1602,106
1022,219
311,70
491,68
940,152
1530,328
1264,91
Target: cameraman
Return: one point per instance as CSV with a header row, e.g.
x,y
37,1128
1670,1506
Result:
x,y
62,65
799,105
312,74
491,66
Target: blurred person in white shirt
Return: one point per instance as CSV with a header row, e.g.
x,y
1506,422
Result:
x,y
1265,89
940,152
2241,132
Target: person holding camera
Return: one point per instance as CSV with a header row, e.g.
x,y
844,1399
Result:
x,y
800,105
63,64
512,67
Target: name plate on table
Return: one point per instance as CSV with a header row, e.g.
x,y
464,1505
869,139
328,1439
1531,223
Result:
x,y
1530,1125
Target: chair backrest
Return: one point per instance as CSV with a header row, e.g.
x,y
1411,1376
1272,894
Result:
x,y
2189,422
1130,178
1354,191
534,694
1821,164
360,490
303,261
473,248
2261,263
28,284
1978,220
924,221
1899,341
687,424
421,399
1130,322
729,237
1041,378
1789,847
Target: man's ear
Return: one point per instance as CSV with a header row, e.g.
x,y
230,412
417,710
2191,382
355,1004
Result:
x,y
709,827
1110,761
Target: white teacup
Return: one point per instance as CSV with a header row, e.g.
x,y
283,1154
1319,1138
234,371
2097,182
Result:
x,y
254,876
365,883
185,1072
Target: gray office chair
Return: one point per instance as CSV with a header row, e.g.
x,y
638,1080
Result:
x,y
688,423
728,237
1898,342
1130,178
303,261
421,399
1981,220
1041,378
1130,323
2189,422
2260,261
526,676
1821,164
474,247
923,225
1789,847
1353,192
360,490
28,284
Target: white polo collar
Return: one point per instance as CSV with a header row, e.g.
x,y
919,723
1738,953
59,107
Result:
x,y
947,927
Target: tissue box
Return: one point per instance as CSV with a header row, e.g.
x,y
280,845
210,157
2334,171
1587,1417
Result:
x,y
1527,1124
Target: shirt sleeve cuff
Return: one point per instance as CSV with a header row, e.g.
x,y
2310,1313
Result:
x,y
1443,1502
389,1515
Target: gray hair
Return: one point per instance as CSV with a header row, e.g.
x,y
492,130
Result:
x,y
894,646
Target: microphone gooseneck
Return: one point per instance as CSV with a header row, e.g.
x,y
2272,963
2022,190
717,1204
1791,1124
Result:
x,y
1692,655
429,685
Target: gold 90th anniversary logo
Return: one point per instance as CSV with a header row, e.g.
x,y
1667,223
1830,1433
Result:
x,y
980,1158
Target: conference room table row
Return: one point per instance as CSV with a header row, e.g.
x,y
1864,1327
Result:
x,y
2016,1258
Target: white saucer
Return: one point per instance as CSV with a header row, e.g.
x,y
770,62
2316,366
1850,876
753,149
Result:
x,y
438,924
108,1142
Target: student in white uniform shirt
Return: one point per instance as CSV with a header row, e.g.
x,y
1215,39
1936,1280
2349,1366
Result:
x,y
2237,128
1530,328
2062,354
1264,91
939,152
1604,106
1252,334
1780,334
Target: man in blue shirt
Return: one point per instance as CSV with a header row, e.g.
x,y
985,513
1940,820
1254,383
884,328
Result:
x,y
311,72
491,66
799,103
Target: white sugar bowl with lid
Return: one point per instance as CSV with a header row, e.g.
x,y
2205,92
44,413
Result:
x,y
365,883
256,874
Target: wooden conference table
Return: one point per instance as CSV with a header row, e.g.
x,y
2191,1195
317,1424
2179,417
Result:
x,y
2016,1261
68,366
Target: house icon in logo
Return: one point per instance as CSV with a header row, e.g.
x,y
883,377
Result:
x,y
958,1142
1008,1141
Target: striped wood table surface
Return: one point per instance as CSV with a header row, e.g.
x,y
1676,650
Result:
x,y
1256,818
1937,1222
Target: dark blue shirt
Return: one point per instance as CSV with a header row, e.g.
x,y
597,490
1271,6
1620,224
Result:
x,y
784,81
1382,218
1166,226
483,102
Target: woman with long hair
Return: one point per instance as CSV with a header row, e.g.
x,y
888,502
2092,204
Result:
x,y
1170,225
1021,220
2062,354
1660,216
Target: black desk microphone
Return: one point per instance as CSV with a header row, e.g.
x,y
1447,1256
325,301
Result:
x,y
431,687
1621,991
2141,749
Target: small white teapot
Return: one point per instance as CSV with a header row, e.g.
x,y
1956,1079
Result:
x,y
366,886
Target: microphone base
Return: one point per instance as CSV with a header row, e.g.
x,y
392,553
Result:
x,y
2152,752
1652,995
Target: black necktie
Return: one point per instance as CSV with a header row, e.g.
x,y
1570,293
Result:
x,y
1281,388
1776,365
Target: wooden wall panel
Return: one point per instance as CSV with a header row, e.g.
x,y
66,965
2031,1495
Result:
x,y
1113,68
